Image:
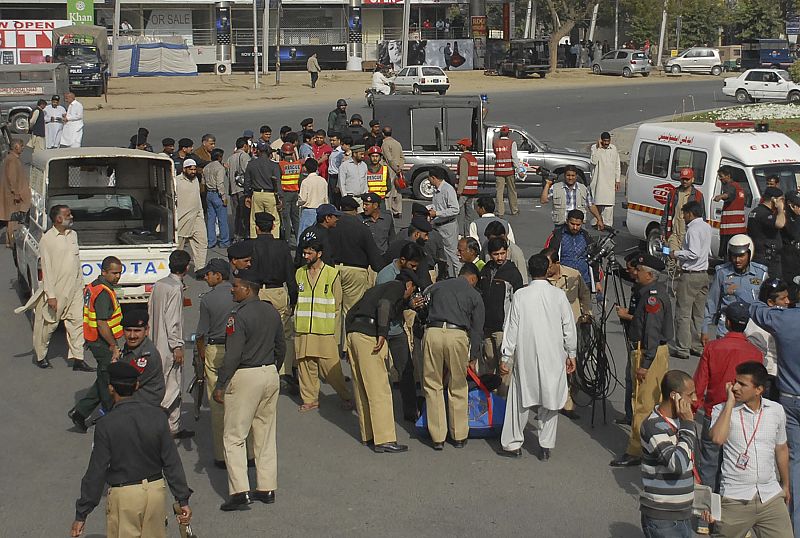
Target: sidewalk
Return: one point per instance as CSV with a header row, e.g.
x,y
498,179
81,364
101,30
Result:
x,y
148,97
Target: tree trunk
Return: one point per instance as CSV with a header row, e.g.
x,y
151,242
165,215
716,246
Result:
x,y
555,37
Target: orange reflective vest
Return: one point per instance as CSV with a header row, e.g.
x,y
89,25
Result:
x,y
90,294
290,175
733,219
503,163
471,187
376,181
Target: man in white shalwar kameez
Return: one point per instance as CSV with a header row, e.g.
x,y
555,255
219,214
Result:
x,y
605,177
166,331
72,135
539,336
53,122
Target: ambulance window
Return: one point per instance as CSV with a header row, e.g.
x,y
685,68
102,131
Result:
x,y
788,176
738,175
653,160
687,158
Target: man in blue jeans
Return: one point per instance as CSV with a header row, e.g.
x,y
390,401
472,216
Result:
x,y
216,200
783,324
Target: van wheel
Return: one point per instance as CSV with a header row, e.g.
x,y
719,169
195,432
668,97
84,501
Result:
x,y
675,70
422,187
742,96
627,73
653,242
19,122
716,70
794,98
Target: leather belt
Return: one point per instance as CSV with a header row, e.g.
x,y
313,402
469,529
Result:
x,y
272,286
248,366
364,319
694,272
216,341
445,325
263,190
212,190
153,478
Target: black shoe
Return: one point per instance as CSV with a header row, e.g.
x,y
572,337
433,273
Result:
x,y
626,460
220,464
390,447
511,453
460,444
623,421
678,355
251,462
570,414
266,497
183,434
366,443
545,454
44,364
438,446
237,501
696,352
81,366
78,420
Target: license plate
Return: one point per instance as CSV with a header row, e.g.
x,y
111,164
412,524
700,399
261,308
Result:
x,y
76,83
75,71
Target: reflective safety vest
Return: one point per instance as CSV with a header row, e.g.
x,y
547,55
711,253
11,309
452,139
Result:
x,y
290,175
732,221
376,181
316,306
671,207
471,187
503,163
90,294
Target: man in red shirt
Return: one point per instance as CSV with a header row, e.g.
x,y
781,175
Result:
x,y
717,367
322,152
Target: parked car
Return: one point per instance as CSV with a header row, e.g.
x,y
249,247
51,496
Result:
x,y
526,57
755,84
625,62
696,60
421,78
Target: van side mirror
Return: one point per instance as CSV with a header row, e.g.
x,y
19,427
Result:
x,y
20,217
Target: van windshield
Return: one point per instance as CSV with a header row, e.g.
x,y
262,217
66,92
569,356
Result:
x,y
788,175
75,52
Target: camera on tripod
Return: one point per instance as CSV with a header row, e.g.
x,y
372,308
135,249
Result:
x,y
598,252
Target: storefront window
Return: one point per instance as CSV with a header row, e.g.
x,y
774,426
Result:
x,y
440,21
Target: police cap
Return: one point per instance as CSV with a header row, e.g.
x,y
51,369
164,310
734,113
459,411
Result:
x,y
242,249
249,275
419,209
135,318
371,197
123,373
738,312
650,261
264,220
421,223
215,265
348,203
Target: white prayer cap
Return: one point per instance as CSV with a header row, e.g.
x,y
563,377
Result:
x,y
189,162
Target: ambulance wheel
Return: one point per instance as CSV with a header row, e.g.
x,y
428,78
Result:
x,y
653,242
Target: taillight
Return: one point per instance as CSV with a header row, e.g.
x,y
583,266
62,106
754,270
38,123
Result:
x,y
39,276
633,62
422,81
148,288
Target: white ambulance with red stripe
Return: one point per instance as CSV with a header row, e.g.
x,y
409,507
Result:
x,y
661,150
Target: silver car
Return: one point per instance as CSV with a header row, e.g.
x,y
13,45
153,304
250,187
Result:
x,y
696,60
625,62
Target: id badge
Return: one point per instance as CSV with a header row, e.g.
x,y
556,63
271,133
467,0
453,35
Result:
x,y
741,462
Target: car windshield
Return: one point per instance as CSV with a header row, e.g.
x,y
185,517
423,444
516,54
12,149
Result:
x,y
432,71
784,75
788,176
75,53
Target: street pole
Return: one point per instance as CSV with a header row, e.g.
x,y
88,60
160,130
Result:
x,y
115,39
528,14
661,35
594,21
265,37
616,24
278,44
534,20
255,44
406,24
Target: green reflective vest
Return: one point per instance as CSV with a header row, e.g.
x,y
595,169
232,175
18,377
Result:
x,y
316,306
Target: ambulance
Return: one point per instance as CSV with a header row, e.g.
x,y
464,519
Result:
x,y
661,150
123,204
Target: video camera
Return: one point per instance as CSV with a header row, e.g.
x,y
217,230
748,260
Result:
x,y
546,174
599,251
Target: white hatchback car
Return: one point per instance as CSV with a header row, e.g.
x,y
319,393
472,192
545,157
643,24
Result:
x,y
421,78
756,84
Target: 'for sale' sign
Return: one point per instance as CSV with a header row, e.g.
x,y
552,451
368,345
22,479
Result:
x,y
27,41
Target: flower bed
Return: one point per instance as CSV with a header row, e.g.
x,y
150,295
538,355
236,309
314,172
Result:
x,y
761,111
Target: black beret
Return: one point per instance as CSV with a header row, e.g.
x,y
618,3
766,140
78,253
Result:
x,y
421,223
419,209
135,317
249,275
122,372
264,218
242,249
348,203
650,261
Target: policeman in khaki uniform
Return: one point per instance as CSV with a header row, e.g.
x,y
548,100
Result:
x,y
452,340
367,329
102,328
248,386
132,452
140,352
651,330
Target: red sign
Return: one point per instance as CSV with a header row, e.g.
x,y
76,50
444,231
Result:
x,y
26,42
660,192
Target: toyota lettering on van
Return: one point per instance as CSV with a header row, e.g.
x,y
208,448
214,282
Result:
x,y
92,270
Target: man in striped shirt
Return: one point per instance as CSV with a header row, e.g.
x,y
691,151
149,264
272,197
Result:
x,y
668,440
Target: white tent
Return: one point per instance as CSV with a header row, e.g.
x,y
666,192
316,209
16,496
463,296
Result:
x,y
155,60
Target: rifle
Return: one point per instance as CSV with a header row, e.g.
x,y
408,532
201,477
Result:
x,y
198,385
185,530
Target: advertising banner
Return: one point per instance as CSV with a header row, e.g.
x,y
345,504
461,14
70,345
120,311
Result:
x,y
171,22
293,56
449,54
80,11
27,41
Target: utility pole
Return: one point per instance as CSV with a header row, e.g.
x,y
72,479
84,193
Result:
x,y
616,24
115,39
528,14
255,44
278,44
265,37
661,35
406,24
593,24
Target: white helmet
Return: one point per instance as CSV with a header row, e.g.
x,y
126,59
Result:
x,y
741,243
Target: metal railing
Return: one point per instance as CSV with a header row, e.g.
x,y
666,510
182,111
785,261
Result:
x,y
244,37
455,32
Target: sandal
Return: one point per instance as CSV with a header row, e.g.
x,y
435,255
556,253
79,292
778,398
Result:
x,y
306,407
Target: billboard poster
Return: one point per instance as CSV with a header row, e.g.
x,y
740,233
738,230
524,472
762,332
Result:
x,y
449,54
27,41
295,55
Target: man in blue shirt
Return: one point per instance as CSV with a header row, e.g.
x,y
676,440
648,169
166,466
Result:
x,y
572,243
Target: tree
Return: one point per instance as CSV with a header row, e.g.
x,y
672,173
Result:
x,y
699,22
758,19
563,16
642,19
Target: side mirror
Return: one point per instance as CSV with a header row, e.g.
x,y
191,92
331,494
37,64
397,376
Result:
x,y
20,217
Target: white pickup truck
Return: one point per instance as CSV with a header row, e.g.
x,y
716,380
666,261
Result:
x,y
123,204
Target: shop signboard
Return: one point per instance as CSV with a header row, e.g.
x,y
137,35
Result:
x,y
80,11
478,26
27,41
170,22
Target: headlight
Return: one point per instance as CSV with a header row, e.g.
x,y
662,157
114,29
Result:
x,y
97,76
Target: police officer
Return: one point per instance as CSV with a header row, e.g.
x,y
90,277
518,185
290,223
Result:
x,y
240,255
215,308
652,329
262,187
790,254
367,331
248,387
452,340
379,221
133,452
102,328
273,264
140,352
738,279
327,220
764,227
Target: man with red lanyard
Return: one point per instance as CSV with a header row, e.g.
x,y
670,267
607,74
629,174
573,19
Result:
x,y
732,221
716,368
467,188
322,152
668,439
752,433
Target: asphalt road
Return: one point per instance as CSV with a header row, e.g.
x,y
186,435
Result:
x,y
329,485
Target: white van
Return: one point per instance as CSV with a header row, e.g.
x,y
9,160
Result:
x,y
660,150
123,203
